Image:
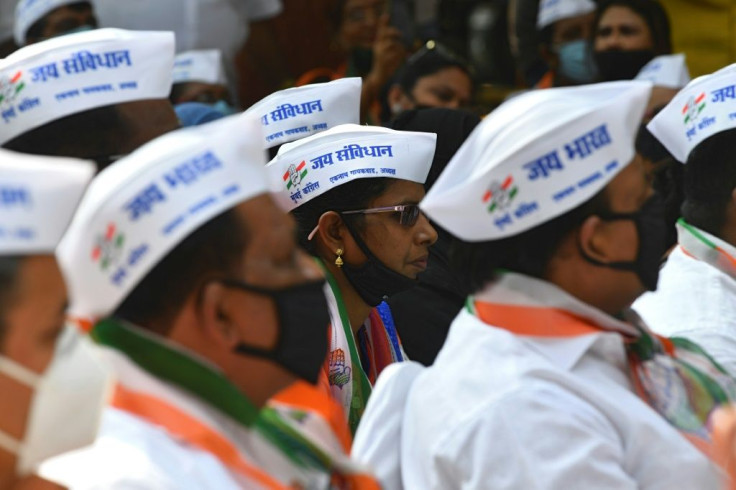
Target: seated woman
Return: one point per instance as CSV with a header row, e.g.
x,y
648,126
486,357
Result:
x,y
431,77
354,192
627,34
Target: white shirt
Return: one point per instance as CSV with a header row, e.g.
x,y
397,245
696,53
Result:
x,y
132,453
503,411
695,300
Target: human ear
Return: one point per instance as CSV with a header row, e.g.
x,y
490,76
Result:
x,y
331,230
592,239
215,319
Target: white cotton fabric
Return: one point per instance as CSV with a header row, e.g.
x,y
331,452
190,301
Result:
x,y
666,71
38,196
703,108
550,11
143,205
536,157
204,66
534,413
697,301
307,168
298,112
71,74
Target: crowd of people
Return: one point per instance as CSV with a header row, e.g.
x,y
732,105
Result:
x,y
362,280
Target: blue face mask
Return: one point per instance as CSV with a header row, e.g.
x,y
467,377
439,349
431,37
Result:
x,y
223,108
575,61
76,30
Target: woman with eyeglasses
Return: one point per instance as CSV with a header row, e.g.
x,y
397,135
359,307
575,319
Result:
x,y
354,192
431,77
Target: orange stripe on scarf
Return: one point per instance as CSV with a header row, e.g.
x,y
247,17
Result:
x,y
191,430
534,321
304,396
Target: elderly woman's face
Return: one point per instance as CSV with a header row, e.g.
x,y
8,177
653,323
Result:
x,y
620,28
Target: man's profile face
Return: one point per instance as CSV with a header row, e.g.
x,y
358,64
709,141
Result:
x,y
32,321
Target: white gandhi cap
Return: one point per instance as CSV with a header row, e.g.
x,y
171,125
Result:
x,y
551,11
28,12
536,157
71,74
38,196
705,107
295,113
312,166
144,205
204,66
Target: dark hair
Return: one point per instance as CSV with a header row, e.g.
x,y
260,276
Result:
x,y
9,266
477,263
427,61
37,28
353,195
654,16
214,250
176,90
452,127
709,182
89,134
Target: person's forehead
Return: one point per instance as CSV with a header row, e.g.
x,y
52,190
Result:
x,y
576,22
619,14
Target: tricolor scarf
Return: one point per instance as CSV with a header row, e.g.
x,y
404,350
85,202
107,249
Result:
x,y
378,346
674,376
294,426
706,248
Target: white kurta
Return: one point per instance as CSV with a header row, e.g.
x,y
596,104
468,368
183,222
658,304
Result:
x,y
695,300
132,453
503,411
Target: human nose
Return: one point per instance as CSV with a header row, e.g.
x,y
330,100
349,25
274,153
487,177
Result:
x,y
426,234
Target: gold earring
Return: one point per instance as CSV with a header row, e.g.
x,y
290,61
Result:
x,y
338,260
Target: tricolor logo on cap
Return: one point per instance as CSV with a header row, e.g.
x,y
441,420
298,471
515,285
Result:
x,y
499,196
295,174
11,87
109,247
693,108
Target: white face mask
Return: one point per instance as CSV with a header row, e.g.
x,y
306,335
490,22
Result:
x,y
67,402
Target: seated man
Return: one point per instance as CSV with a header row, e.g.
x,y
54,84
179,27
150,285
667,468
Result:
x,y
547,379
199,76
193,282
37,21
95,95
696,294
53,384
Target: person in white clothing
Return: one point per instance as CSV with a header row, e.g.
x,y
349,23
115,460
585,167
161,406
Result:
x,y
49,374
189,277
547,380
695,298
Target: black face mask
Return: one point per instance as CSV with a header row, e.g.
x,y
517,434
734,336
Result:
x,y
373,281
621,65
652,228
304,318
